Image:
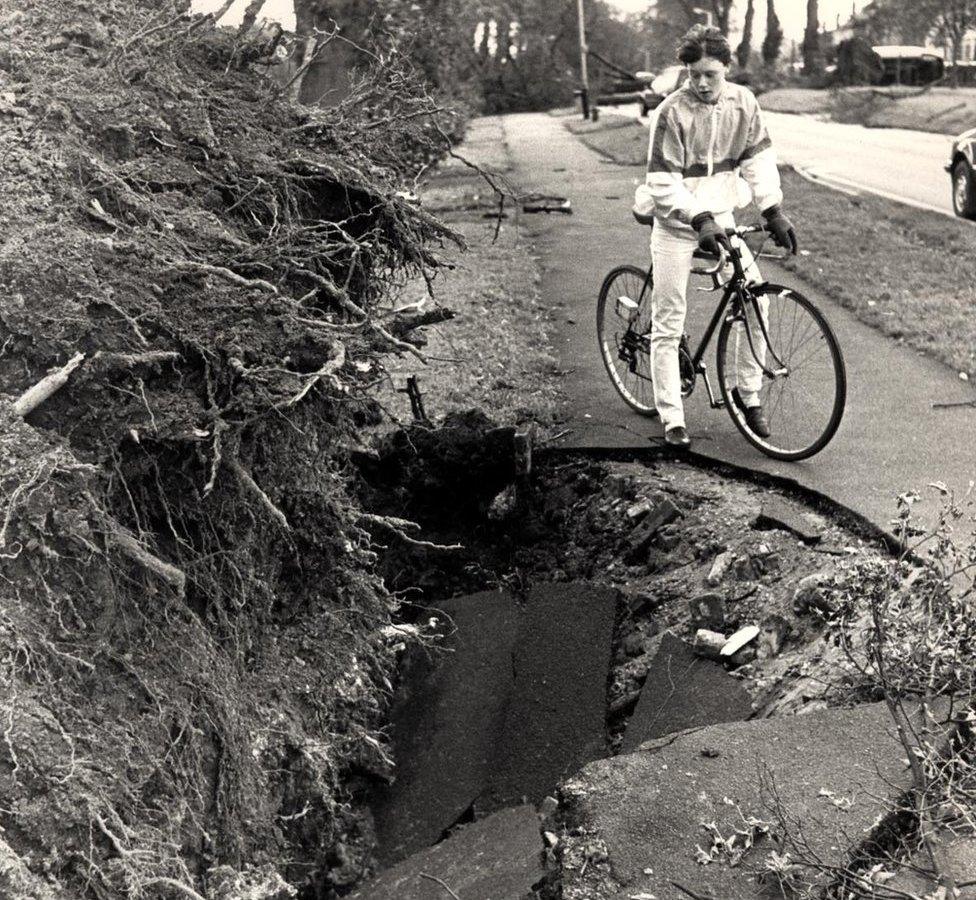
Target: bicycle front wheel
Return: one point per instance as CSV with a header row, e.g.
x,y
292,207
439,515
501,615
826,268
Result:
x,y
623,327
795,364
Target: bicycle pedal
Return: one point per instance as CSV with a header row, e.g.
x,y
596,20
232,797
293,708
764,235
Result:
x,y
626,308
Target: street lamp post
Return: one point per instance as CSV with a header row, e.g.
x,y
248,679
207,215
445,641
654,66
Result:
x,y
584,76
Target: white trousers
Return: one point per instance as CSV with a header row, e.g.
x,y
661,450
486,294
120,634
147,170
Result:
x,y
671,259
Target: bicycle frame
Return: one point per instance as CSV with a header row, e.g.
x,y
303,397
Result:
x,y
735,295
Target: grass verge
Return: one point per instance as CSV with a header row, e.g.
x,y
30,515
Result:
x,y
907,272
940,110
496,353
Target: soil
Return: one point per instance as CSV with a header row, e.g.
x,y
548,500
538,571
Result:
x,y
570,522
191,648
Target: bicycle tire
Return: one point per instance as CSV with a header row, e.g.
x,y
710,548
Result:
x,y
822,390
631,377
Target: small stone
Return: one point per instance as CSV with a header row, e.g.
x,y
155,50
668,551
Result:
x,y
721,565
619,485
548,807
623,703
663,513
744,656
550,839
810,594
633,644
637,511
743,636
667,542
642,603
772,635
503,505
746,568
657,560
707,611
709,643
710,752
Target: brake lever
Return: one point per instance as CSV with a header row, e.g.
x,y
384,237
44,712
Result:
x,y
723,258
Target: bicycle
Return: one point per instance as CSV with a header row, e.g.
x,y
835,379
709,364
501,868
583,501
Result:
x,y
804,379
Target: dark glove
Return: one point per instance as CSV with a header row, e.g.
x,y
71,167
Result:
x,y
711,235
781,228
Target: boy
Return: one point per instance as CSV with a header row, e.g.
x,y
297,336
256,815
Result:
x,y
703,137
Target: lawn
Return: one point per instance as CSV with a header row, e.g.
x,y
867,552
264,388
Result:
x,y
908,272
939,109
496,353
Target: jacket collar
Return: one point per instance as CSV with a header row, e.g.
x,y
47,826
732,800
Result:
x,y
707,103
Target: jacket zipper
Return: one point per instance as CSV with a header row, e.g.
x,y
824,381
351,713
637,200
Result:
x,y
711,139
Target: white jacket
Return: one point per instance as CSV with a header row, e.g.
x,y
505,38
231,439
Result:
x,y
697,152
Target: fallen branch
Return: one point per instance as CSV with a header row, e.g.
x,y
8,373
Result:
x,y
46,387
250,484
403,324
129,545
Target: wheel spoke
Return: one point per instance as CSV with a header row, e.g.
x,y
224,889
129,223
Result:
x,y
625,350
803,407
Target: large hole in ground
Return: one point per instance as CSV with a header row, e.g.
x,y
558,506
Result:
x,y
583,615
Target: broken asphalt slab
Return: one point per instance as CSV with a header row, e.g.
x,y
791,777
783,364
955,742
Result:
x,y
834,773
960,857
556,720
779,513
683,691
498,858
447,720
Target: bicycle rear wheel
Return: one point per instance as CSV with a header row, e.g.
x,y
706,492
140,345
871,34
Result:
x,y
623,327
804,396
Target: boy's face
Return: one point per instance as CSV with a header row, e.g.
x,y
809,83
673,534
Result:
x,y
707,77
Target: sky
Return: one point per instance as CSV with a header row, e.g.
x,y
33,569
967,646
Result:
x,y
792,13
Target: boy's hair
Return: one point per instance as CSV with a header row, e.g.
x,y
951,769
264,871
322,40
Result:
x,y
700,41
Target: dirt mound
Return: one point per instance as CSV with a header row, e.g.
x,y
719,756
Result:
x,y
190,628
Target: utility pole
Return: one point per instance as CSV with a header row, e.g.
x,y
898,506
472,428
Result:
x,y
585,91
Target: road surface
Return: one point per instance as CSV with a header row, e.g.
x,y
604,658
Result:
x,y
903,165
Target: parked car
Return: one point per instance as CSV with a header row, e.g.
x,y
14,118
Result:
x,y
667,82
624,90
962,170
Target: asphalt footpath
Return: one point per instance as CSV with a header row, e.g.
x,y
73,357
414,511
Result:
x,y
891,439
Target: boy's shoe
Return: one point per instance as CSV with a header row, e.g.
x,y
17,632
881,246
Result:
x,y
754,416
757,422
677,437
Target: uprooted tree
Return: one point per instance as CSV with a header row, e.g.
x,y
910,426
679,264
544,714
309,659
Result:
x,y
192,278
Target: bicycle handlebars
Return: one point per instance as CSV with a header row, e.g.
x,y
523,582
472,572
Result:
x,y
723,256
